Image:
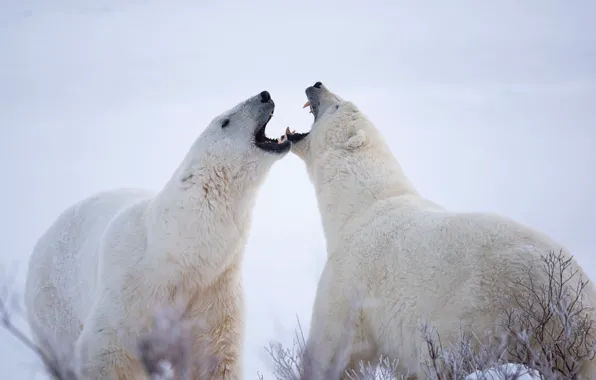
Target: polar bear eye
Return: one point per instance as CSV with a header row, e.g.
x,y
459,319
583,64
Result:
x,y
225,123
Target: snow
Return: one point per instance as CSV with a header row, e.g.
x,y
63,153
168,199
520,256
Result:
x,y
471,96
506,372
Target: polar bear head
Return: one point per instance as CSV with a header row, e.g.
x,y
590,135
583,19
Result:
x,y
338,126
346,157
343,140
234,146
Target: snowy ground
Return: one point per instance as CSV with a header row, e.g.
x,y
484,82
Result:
x,y
487,106
505,371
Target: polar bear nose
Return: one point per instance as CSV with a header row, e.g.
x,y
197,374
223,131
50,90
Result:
x,y
318,85
265,97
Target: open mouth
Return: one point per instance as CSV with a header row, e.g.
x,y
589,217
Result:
x,y
310,107
292,135
279,145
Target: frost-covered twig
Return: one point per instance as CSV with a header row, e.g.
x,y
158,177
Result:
x,y
166,344
470,358
551,325
288,362
53,363
385,370
547,332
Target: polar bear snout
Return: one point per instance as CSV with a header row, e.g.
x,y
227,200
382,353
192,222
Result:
x,y
265,96
265,107
320,99
313,94
261,107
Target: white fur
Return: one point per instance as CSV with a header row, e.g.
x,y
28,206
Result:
x,y
98,273
412,258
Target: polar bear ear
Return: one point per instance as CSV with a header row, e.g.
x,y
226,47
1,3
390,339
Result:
x,y
356,140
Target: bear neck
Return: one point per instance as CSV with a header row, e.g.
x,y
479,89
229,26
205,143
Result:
x,y
202,228
349,183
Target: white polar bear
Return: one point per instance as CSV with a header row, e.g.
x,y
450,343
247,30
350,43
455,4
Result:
x,y
415,260
109,260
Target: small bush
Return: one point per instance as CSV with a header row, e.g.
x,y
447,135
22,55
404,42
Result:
x,y
549,330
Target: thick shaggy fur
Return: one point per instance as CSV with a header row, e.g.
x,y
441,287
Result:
x,y
411,259
103,267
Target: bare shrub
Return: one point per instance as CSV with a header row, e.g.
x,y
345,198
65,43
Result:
x,y
289,363
551,325
295,363
385,370
547,333
166,345
58,365
446,363
547,327
485,358
162,347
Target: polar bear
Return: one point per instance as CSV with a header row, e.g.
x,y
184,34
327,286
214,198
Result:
x,y
109,260
410,259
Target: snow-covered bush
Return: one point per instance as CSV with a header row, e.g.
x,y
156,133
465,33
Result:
x,y
546,332
547,337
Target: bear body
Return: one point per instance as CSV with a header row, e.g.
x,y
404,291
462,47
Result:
x,y
109,262
396,259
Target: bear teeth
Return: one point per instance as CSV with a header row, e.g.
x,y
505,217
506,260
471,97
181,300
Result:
x,y
284,137
307,104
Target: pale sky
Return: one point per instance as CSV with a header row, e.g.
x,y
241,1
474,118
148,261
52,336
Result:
x,y
488,106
